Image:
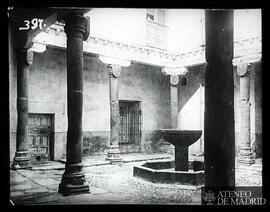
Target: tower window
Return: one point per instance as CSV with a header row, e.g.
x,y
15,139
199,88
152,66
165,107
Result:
x,y
150,17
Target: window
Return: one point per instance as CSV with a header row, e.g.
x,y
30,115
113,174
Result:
x,y
150,17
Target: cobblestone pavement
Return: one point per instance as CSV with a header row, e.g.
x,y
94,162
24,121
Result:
x,y
249,175
109,184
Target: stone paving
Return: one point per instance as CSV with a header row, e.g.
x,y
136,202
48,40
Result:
x,y
249,175
110,184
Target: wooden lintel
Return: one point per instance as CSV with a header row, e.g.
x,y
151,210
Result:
x,y
48,15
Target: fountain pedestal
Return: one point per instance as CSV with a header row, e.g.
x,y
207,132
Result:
x,y
181,158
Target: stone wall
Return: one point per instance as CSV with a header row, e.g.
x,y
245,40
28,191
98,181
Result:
x,y
12,94
191,106
47,94
138,82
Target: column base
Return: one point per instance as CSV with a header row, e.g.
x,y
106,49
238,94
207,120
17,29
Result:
x,y
171,150
246,160
114,155
22,160
246,157
73,181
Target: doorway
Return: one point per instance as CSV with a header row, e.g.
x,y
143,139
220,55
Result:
x,y
40,137
130,131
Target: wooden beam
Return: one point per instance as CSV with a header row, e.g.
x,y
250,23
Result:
x,y
20,17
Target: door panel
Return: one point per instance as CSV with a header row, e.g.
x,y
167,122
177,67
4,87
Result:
x,y
39,136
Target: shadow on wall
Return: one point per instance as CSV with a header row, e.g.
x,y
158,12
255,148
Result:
x,y
195,77
191,105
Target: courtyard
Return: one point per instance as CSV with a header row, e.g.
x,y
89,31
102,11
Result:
x,y
112,184
91,101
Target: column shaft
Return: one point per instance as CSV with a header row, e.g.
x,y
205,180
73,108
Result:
x,y
73,180
113,152
74,99
114,110
22,157
245,155
219,138
174,107
174,80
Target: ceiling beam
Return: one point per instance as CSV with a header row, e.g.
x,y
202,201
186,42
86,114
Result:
x,y
21,16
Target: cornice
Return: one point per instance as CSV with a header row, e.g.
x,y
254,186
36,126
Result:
x,y
55,36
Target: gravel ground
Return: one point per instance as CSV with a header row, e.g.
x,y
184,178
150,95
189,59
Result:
x,y
119,181
116,184
248,178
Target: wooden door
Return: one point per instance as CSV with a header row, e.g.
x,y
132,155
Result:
x,y
40,137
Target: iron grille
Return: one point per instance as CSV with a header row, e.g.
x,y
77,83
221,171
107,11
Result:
x,y
130,122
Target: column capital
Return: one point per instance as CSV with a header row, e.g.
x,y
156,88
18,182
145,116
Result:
x,y
25,56
114,70
38,47
174,70
244,69
252,58
245,63
114,61
77,25
174,80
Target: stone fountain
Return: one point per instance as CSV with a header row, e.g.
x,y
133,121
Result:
x,y
180,170
181,139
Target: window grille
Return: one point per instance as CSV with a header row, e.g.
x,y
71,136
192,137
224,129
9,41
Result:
x,y
130,122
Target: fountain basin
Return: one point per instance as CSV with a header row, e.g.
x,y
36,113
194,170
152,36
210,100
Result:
x,y
162,172
181,138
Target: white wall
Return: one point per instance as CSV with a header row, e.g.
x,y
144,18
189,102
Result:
x,y
191,117
185,27
118,24
247,23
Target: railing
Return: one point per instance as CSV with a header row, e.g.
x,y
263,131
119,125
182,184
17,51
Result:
x,y
156,35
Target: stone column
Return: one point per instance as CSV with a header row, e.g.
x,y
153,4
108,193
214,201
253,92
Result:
x,y
22,156
113,152
73,179
246,155
219,138
174,80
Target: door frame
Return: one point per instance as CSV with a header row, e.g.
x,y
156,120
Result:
x,y
137,142
52,133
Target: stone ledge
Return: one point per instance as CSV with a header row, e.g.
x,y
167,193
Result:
x,y
160,172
